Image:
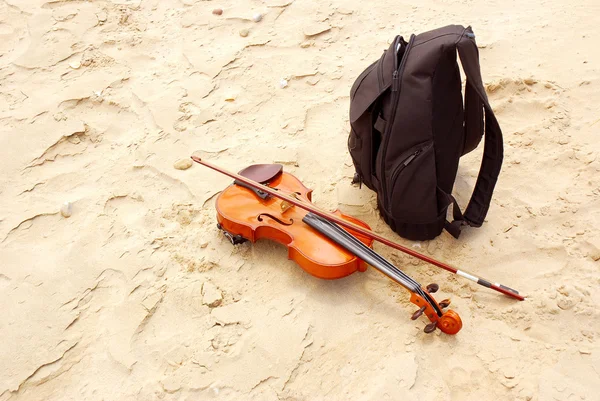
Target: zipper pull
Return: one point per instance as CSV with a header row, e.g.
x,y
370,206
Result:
x,y
395,81
357,180
411,158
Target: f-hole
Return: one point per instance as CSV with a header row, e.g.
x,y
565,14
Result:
x,y
297,193
260,218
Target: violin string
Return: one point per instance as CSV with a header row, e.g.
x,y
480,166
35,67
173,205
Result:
x,y
375,254
384,264
358,243
417,287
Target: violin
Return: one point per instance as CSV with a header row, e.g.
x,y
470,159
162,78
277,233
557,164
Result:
x,y
247,214
263,203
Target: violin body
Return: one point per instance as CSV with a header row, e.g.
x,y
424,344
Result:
x,y
244,215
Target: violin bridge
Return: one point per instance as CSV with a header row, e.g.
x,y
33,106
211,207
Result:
x,y
285,205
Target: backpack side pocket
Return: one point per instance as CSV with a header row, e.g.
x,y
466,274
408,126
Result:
x,y
412,198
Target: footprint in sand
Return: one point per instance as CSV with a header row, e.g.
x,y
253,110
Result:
x,y
13,35
526,108
534,122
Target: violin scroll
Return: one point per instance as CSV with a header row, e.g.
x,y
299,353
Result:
x,y
448,322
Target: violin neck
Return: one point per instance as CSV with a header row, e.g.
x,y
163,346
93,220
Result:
x,y
349,242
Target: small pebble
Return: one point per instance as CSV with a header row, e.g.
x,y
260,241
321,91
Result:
x,y
217,11
283,83
244,32
257,17
183,164
67,209
75,65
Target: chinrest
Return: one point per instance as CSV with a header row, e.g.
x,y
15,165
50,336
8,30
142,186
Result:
x,y
262,173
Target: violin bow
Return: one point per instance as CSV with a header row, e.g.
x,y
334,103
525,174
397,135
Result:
x,y
368,233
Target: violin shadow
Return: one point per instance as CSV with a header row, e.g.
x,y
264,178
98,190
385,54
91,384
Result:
x,y
367,296
374,298
358,292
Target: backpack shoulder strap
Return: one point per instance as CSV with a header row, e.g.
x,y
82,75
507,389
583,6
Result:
x,y
476,108
473,127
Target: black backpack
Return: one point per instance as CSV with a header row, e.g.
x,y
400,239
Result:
x,y
409,129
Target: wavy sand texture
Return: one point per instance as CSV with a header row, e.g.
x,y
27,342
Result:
x,y
137,296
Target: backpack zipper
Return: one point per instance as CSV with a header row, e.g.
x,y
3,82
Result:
x,y
396,92
409,159
380,72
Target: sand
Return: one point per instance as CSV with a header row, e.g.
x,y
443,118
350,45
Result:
x,y
136,295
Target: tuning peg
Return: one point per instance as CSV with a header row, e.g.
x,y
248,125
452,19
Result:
x,y
445,303
432,288
418,313
430,328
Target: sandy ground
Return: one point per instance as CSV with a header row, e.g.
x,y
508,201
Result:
x,y
99,100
